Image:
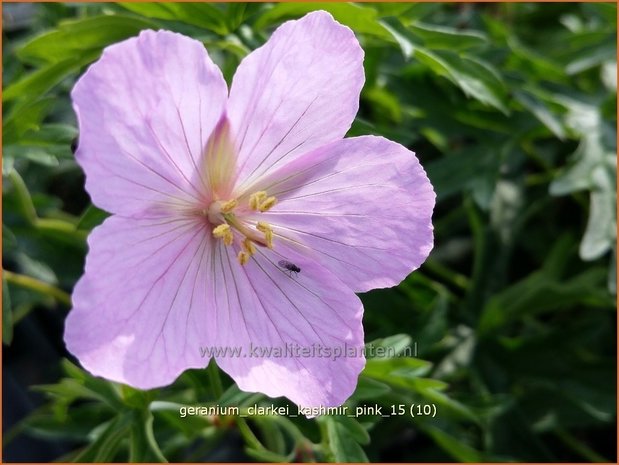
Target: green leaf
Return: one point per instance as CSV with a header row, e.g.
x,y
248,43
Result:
x,y
541,112
356,431
442,37
233,396
202,14
601,229
142,444
76,38
342,443
537,293
368,388
91,218
7,315
265,456
383,368
359,18
35,154
459,450
388,347
476,79
107,441
38,82
593,55
25,117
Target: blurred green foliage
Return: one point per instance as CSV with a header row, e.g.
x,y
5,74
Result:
x,y
512,110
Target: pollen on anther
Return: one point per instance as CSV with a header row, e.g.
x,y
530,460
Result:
x,y
243,257
223,231
267,204
248,246
228,206
256,199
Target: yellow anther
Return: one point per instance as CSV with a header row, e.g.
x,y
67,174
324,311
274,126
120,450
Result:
x,y
223,231
248,246
267,204
262,226
268,233
243,257
228,206
268,237
256,199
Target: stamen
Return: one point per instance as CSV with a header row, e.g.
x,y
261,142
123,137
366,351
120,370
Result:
x,y
244,229
267,204
268,233
228,206
248,246
223,231
243,257
256,199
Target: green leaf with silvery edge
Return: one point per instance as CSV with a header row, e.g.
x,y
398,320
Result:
x,y
593,168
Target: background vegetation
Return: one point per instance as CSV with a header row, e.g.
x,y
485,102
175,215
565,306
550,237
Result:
x,y
512,110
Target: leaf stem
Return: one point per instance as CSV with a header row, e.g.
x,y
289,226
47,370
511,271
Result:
x,y
248,434
217,386
37,286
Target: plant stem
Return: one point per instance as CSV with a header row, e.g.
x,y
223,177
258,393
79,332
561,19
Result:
x,y
217,386
248,434
579,447
37,286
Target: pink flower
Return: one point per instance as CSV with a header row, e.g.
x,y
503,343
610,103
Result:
x,y
215,196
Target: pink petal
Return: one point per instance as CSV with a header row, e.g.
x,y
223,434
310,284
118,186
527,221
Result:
x,y
259,304
145,111
362,206
139,310
297,92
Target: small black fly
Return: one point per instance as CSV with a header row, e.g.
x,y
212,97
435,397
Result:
x,y
289,266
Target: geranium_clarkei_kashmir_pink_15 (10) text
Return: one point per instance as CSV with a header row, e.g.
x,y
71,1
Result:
x,y
211,190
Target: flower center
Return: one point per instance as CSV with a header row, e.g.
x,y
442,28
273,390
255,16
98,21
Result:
x,y
230,226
